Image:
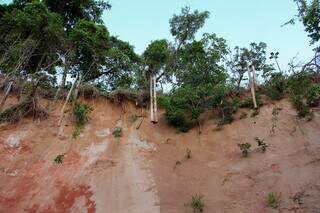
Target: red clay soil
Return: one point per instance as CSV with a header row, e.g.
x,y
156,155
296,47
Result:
x,y
146,170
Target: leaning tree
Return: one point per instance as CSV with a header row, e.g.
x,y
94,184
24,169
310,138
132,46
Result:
x,y
31,38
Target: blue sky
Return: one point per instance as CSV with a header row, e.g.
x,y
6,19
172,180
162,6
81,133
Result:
x,y
239,22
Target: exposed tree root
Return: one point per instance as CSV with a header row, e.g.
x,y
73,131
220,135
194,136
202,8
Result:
x,y
140,98
28,107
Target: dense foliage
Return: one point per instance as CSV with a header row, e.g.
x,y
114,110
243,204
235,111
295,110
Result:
x,y
43,41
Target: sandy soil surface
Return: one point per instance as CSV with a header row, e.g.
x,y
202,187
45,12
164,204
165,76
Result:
x,y
146,171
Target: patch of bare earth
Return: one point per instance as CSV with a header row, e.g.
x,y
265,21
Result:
x,y
146,170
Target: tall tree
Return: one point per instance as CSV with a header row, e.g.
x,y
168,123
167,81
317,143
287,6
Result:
x,y
156,56
309,15
200,81
73,11
183,28
249,60
31,39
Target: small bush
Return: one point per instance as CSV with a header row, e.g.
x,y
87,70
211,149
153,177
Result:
x,y
178,119
301,107
81,112
273,200
184,104
77,130
59,159
299,84
243,115
255,113
262,145
197,203
276,111
227,109
276,86
313,96
244,147
117,132
248,102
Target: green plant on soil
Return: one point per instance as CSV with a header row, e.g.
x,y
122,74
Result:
x,y
59,159
262,145
255,113
244,147
197,203
117,132
273,200
243,115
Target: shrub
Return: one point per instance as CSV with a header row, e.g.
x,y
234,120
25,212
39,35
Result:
x,y
197,203
244,147
273,200
227,109
303,94
262,145
301,107
185,104
77,130
276,86
299,84
81,112
248,102
275,111
178,119
59,159
313,95
255,113
243,115
117,132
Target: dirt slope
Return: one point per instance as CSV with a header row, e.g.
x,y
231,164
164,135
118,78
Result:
x,y
138,173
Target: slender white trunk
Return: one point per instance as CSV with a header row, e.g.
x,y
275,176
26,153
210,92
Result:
x,y
254,78
67,100
252,86
153,99
5,96
155,108
76,89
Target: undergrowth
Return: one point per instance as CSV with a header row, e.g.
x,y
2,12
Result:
x,y
81,114
196,203
117,132
245,148
59,159
273,200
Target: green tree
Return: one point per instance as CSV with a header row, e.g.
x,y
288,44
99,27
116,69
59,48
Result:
x,y
31,39
200,81
183,28
90,45
244,59
73,11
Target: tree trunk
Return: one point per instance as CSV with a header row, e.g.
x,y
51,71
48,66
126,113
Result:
x,y
76,90
252,83
5,96
67,100
254,77
153,99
